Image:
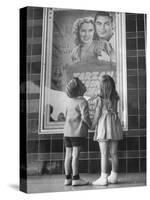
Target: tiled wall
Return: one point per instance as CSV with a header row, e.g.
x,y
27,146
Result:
x,y
45,153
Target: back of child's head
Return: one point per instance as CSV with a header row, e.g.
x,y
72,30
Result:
x,y
108,88
75,88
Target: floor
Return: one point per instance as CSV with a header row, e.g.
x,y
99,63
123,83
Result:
x,y
54,183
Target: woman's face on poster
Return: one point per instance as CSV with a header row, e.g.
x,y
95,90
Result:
x,y
86,33
104,27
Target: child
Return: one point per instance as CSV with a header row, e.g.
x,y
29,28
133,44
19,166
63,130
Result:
x,y
108,129
75,130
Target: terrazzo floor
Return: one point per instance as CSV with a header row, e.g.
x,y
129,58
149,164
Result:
x,y
54,183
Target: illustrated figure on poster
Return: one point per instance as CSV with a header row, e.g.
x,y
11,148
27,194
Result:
x,y
86,48
75,130
104,30
61,117
57,78
108,130
50,113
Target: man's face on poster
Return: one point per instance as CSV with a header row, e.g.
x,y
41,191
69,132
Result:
x,y
104,28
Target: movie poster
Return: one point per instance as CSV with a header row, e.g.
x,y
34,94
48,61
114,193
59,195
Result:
x,y
83,44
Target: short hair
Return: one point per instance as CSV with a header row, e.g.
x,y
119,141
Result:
x,y
77,25
75,88
103,13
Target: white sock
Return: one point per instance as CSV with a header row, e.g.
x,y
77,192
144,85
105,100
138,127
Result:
x,y
113,173
104,175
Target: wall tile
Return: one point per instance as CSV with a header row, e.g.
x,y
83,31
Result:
x,y
122,166
45,169
143,153
131,44
37,31
44,146
122,145
56,167
36,49
30,13
133,154
142,81
131,62
143,165
83,166
133,122
131,16
28,49
94,166
130,26
34,168
133,165
131,22
141,43
33,106
32,126
131,72
140,22
36,67
85,146
132,82
132,102
57,145
32,146
142,143
142,122
29,32
28,67
38,13
133,143
141,62
142,102
93,145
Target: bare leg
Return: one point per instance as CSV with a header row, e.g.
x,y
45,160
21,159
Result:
x,y
75,160
68,158
104,164
113,178
75,168
104,156
114,155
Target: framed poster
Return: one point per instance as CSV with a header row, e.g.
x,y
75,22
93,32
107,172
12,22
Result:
x,y
84,44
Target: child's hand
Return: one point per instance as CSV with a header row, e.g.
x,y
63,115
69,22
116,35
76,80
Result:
x,y
104,56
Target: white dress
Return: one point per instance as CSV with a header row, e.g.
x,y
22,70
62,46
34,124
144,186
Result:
x,y
108,125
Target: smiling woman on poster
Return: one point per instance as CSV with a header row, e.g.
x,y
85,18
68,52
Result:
x,y
86,49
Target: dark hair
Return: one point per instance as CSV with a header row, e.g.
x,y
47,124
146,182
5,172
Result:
x,y
51,109
102,13
75,88
108,88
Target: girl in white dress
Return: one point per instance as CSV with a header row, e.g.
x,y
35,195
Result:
x,y
108,130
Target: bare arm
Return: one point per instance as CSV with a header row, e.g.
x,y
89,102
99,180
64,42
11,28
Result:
x,y
97,113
